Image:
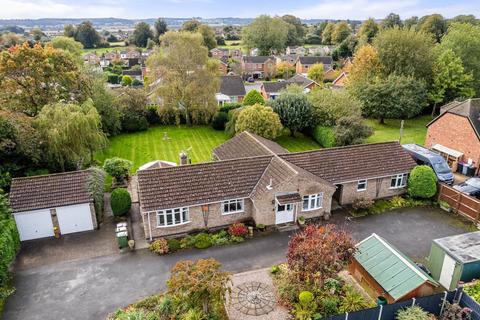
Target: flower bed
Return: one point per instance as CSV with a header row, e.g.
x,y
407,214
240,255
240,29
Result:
x,y
363,207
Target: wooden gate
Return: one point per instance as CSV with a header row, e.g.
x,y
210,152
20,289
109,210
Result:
x,y
460,202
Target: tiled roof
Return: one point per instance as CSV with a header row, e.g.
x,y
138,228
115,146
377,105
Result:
x,y
245,145
232,86
289,198
199,183
301,80
344,164
313,60
49,191
277,86
257,59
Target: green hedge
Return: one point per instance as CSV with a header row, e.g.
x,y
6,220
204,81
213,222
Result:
x,y
324,136
120,201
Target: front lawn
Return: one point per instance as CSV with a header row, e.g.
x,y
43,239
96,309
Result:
x,y
414,130
142,147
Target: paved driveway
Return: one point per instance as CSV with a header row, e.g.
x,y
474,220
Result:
x,y
91,288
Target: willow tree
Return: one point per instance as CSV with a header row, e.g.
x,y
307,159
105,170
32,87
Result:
x,y
183,77
71,133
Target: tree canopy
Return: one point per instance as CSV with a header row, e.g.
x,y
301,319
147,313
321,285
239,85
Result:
x,y
330,105
368,30
294,110
260,120
341,32
391,21
160,27
141,34
70,46
85,33
267,34
253,97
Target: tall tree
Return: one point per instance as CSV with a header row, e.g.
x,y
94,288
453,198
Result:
x,y
368,30
191,25
267,34
71,133
296,31
33,77
411,23
160,27
450,80
341,32
294,110
207,32
188,77
434,24
69,30
327,33
330,105
464,40
391,21
141,34
37,34
86,34
260,120
465,18
69,45
366,65
405,52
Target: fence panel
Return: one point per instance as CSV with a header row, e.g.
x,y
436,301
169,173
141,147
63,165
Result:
x,y
459,202
467,301
367,314
390,310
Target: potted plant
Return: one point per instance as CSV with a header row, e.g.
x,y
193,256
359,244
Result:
x,y
261,227
445,206
301,220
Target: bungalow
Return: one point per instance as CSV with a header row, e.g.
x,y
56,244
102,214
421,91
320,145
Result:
x,y
296,50
256,179
134,74
304,63
258,66
42,203
232,89
271,90
289,58
384,271
455,133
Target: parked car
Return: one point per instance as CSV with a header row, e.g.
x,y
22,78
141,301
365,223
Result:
x,y
423,156
470,187
250,79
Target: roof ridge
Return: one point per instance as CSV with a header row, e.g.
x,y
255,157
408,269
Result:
x,y
52,174
342,147
260,142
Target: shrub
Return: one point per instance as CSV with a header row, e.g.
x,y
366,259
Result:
x,y
152,115
454,311
294,110
324,136
237,239
113,78
126,81
253,97
351,130
132,122
352,301
260,120
305,297
238,229
362,204
118,168
229,106
329,306
174,245
187,242
159,246
306,306
220,238
120,201
422,182
275,269
412,313
219,120
398,202
203,241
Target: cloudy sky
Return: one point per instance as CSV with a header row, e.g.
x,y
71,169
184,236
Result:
x,y
332,9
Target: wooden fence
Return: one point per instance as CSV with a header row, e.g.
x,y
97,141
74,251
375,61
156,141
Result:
x,y
460,202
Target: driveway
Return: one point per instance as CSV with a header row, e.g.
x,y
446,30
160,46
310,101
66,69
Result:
x,y
93,287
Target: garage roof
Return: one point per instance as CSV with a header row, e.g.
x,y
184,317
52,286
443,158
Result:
x,y
463,247
49,191
392,270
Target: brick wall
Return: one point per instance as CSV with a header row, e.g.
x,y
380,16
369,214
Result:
x,y
349,191
455,132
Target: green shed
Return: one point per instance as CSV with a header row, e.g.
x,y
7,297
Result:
x,y
455,259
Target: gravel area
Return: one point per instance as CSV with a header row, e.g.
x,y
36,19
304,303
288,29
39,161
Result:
x,y
253,297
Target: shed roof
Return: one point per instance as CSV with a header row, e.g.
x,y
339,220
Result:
x,y
463,247
392,270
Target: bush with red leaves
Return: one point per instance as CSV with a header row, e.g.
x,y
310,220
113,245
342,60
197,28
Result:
x,y
238,229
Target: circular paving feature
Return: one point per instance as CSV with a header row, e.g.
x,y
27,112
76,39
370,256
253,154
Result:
x,y
253,298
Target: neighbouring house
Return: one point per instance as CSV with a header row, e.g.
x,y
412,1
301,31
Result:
x,y
304,63
258,67
271,90
289,58
340,81
256,179
134,74
331,74
223,67
41,203
219,53
232,90
236,54
455,133
455,259
91,58
386,272
296,50
321,50
111,56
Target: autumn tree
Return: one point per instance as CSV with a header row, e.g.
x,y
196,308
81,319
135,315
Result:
x,y
315,72
434,24
365,66
368,30
284,69
327,243
141,34
260,120
184,77
200,285
33,77
267,34
294,110
341,32
327,33
71,133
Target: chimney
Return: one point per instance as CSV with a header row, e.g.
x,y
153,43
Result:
x,y
183,158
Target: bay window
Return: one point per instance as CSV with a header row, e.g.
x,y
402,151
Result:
x,y
312,201
172,217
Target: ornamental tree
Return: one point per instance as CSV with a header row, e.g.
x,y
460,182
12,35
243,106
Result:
x,y
120,202
319,252
260,120
315,72
330,105
295,111
422,182
118,168
200,285
253,97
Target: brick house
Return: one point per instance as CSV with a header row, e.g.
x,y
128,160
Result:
x,y
256,179
258,66
455,133
271,90
304,63
219,53
340,81
232,90
223,66
296,50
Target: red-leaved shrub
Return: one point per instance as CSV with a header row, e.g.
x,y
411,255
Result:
x,y
238,229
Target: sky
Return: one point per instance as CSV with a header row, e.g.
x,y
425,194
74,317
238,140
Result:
x,y
307,9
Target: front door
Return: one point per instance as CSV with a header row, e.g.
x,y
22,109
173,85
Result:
x,y
284,213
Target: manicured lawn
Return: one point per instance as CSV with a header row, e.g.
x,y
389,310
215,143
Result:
x,y
414,130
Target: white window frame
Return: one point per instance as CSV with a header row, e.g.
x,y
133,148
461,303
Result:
x,y
184,217
400,181
228,202
363,182
316,199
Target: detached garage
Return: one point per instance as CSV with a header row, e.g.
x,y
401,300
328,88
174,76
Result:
x,y
42,203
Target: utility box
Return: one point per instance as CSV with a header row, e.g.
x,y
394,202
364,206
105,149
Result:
x,y
455,259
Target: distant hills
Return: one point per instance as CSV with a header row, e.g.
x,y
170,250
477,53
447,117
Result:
x,y
56,23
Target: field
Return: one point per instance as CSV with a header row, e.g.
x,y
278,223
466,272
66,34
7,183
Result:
x,y
118,46
234,44
414,130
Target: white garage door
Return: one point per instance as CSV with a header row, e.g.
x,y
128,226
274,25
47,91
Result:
x,y
75,218
34,224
